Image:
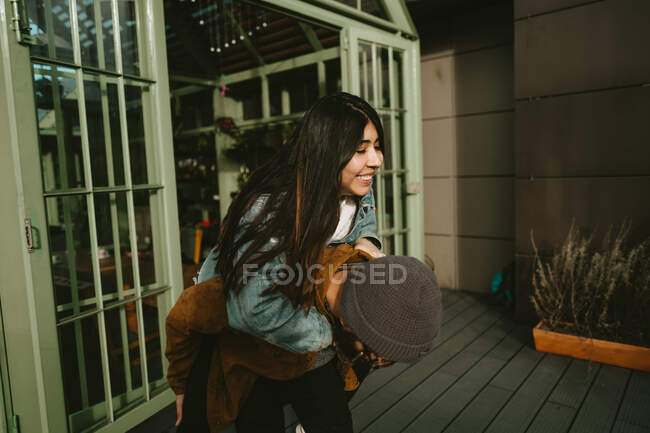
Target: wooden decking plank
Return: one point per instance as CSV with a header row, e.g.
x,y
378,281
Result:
x,y
406,409
635,408
450,297
382,400
400,414
456,309
519,336
480,412
448,330
442,412
518,369
528,399
622,427
574,385
599,408
553,418
454,401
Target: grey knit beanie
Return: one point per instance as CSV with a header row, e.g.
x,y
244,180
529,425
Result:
x,y
393,305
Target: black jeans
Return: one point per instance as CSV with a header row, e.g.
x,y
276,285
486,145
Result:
x,y
317,397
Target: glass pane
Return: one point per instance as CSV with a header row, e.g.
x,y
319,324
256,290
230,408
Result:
x,y
195,110
104,135
83,382
365,73
153,343
129,37
388,203
122,339
113,246
58,126
67,221
50,24
388,143
333,76
301,85
96,34
137,144
388,246
142,205
249,93
399,144
399,79
384,79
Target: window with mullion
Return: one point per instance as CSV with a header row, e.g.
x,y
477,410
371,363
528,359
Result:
x,y
103,208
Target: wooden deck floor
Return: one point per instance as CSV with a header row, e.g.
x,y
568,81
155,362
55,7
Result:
x,y
485,376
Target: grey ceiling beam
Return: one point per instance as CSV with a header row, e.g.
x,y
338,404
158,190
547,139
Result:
x,y
311,36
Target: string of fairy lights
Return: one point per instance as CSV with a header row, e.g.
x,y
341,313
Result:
x,y
228,22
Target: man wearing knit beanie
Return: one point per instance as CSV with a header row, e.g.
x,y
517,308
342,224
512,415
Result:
x,y
392,304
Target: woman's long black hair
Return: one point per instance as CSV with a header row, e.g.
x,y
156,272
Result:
x,y
302,185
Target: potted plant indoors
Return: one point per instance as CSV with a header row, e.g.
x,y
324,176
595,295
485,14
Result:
x,y
594,303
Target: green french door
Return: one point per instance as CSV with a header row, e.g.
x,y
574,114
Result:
x,y
104,222
382,69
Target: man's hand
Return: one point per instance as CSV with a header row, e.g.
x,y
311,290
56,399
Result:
x,y
179,408
367,246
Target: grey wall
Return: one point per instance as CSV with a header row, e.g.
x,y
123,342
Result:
x,y
468,111
582,123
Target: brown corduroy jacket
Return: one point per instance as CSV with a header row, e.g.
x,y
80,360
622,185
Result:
x,y
238,358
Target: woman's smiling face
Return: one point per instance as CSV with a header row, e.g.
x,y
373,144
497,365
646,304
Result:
x,y
356,176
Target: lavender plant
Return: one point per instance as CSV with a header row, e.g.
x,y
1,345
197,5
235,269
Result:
x,y
596,292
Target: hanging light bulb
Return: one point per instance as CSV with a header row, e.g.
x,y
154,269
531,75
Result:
x,y
212,49
201,22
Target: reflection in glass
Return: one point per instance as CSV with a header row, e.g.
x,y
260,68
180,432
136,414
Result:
x,y
58,126
122,339
249,93
51,26
129,37
389,213
137,144
96,37
301,84
388,142
399,140
398,79
142,205
104,135
365,73
333,76
113,245
153,343
83,383
67,221
384,79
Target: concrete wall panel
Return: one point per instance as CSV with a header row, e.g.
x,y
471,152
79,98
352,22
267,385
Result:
x,y
484,80
438,81
524,8
438,206
437,146
479,260
486,207
603,133
484,145
599,45
442,251
548,207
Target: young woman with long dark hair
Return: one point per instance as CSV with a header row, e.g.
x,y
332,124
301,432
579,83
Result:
x,y
317,192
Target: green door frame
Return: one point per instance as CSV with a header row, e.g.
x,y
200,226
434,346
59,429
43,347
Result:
x,y
26,286
26,295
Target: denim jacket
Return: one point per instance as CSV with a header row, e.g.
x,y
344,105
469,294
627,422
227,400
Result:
x,y
273,317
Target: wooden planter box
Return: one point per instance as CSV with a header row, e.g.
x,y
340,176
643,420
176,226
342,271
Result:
x,y
607,352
